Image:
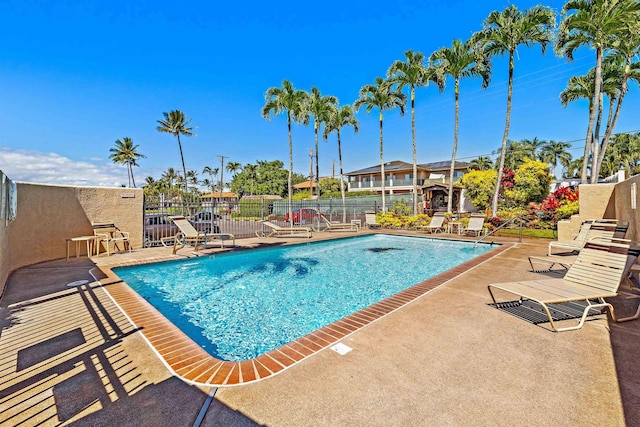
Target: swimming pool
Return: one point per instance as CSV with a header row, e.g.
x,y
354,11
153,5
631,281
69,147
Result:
x,y
240,305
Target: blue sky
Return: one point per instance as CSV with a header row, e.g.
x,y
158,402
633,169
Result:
x,y
76,76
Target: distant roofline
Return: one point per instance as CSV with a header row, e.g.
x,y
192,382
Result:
x,y
400,165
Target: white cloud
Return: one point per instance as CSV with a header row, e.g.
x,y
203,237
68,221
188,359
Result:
x,y
51,168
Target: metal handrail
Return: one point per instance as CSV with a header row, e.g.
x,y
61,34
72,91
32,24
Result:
x,y
501,226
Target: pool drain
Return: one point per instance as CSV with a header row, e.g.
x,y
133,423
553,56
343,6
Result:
x,y
77,283
341,349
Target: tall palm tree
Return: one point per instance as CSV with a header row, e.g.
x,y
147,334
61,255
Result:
x,y
175,122
169,176
212,172
482,163
598,24
625,51
502,33
192,178
413,74
291,101
233,168
554,152
382,95
320,108
459,61
125,153
339,118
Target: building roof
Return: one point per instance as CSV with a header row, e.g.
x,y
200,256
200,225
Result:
x,y
397,165
306,184
262,196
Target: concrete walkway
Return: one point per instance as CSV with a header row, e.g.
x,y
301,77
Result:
x,y
69,355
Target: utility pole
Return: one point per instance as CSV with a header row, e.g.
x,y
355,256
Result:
x,y
333,169
310,172
221,176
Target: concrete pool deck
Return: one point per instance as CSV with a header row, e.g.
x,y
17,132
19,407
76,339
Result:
x,y
69,355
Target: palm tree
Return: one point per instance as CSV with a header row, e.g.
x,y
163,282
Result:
x,y
413,74
251,171
339,118
599,24
192,178
292,102
555,152
383,96
625,51
169,176
319,107
125,153
502,33
175,122
482,163
211,172
233,168
459,61
582,87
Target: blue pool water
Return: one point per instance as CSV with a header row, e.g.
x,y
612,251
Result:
x,y
240,305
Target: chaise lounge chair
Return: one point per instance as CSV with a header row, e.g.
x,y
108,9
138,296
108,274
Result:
x,y
106,232
344,226
595,275
607,228
370,221
436,225
276,230
476,225
188,234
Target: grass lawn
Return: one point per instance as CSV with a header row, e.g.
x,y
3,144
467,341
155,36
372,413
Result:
x,y
526,232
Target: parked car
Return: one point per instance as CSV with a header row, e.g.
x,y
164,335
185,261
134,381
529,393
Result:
x,y
205,216
303,215
158,226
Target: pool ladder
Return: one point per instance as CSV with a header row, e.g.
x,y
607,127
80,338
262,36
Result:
x,y
512,220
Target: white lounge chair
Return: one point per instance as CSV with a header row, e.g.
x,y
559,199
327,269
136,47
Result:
x,y
595,275
436,225
606,228
275,231
476,225
339,225
188,234
370,220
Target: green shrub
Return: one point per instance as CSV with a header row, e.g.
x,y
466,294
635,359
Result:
x,y
567,209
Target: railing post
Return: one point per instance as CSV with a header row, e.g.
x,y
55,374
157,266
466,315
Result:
x,y
520,232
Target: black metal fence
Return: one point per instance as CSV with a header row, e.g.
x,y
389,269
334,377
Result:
x,y
242,218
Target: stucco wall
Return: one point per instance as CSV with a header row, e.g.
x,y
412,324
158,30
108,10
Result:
x,y
622,206
595,201
47,215
4,255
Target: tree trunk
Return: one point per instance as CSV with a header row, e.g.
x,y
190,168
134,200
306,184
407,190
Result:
x,y
595,143
290,179
184,171
384,205
592,118
609,131
316,126
132,178
455,147
505,138
415,156
344,201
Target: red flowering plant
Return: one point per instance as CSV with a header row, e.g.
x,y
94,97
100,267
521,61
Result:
x,y
558,205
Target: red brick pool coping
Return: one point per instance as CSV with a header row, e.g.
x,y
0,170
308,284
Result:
x,y
190,362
